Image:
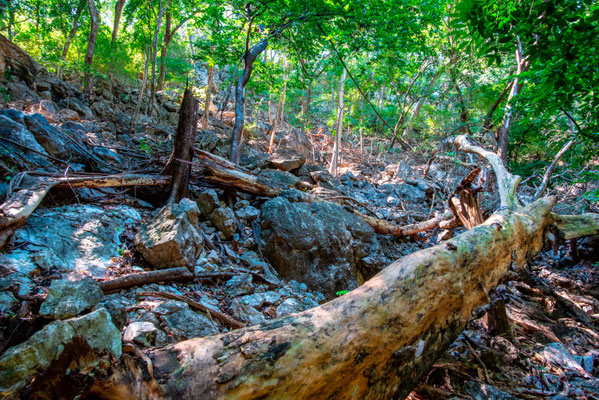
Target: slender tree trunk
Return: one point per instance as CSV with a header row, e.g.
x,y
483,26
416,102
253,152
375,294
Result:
x,y
167,39
488,118
337,145
248,59
71,35
462,104
207,101
155,53
279,112
504,130
91,44
118,11
148,57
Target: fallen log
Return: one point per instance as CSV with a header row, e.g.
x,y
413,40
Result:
x,y
372,343
389,228
144,278
574,226
32,188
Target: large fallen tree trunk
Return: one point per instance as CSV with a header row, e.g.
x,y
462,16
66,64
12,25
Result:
x,y
372,343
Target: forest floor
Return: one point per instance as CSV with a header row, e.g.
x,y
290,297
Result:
x,y
550,351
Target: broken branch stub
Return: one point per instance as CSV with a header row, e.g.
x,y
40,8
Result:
x,y
506,182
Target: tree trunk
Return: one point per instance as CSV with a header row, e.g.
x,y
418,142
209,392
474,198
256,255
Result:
x,y
207,100
340,105
248,59
118,11
375,342
71,35
179,164
278,111
91,44
504,130
420,103
155,54
165,42
147,62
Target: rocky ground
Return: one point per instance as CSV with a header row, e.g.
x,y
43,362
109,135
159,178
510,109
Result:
x,y
253,258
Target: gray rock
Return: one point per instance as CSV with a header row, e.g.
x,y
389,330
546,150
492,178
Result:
x,y
325,180
224,220
298,141
46,96
77,105
40,350
186,324
16,132
257,300
19,91
77,238
116,304
247,214
277,178
143,333
43,87
47,108
558,355
170,106
7,301
102,109
286,160
68,115
207,202
481,391
50,138
67,298
246,313
240,285
289,306
170,307
320,244
405,191
16,115
586,362
110,155
171,238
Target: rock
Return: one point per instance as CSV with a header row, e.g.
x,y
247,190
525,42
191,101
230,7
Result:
x,y
326,180
171,237
252,159
320,244
16,115
558,355
297,140
586,362
240,285
224,220
405,191
116,304
257,300
481,391
247,214
75,104
102,109
47,108
289,306
66,299
68,115
246,313
207,202
46,96
142,333
42,86
19,364
18,91
285,160
170,106
78,238
186,324
282,179
7,301
110,155
50,138
16,132
122,122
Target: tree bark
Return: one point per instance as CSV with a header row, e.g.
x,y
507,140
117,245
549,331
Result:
x,y
144,278
179,164
155,54
279,111
94,17
206,115
118,11
248,60
372,343
504,131
340,106
165,42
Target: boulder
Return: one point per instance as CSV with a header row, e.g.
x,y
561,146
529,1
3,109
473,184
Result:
x,y
207,202
320,244
14,60
240,285
224,220
102,109
326,180
16,115
278,178
77,238
185,324
247,214
68,115
75,104
22,362
19,91
170,106
171,237
66,298
289,306
246,313
47,108
16,132
298,141
257,300
286,160
50,138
